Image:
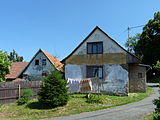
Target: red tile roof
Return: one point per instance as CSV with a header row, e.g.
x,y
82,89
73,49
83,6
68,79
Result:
x,y
15,69
55,61
17,80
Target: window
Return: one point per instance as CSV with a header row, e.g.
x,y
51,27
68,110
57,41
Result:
x,y
95,48
44,62
139,75
94,71
36,62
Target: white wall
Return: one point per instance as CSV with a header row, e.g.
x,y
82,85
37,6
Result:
x,y
108,45
37,70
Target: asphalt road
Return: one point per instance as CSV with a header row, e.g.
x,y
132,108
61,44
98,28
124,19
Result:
x,y
132,111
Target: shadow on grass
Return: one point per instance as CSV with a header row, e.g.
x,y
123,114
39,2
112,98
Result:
x,y
38,105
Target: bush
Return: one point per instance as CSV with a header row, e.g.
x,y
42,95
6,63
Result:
x,y
157,109
27,94
21,101
53,93
94,99
156,116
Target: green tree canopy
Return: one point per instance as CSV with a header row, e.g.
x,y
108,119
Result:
x,y
14,57
132,42
4,65
157,66
149,44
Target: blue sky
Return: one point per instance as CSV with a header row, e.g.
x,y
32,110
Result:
x,y
58,26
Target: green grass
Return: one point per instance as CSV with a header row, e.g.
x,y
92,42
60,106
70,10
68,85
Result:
x,y
77,104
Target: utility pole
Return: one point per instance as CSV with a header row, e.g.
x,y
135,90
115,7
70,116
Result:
x,y
129,29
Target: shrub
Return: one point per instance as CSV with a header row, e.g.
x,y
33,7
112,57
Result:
x,y
157,109
27,94
21,101
94,99
53,93
156,116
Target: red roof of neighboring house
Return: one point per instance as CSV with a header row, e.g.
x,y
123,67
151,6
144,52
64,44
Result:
x,y
56,62
53,60
15,69
17,80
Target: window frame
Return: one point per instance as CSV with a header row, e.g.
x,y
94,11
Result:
x,y
44,61
94,66
92,46
36,62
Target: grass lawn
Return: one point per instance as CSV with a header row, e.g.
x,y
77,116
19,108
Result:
x,y
77,104
149,116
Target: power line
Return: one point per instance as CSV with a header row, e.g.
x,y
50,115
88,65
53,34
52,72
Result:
x,y
129,28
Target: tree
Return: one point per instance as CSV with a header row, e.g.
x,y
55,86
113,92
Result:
x,y
14,57
4,65
54,90
132,42
157,66
149,44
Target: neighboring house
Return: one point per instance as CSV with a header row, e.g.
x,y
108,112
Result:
x,y
15,70
98,55
40,66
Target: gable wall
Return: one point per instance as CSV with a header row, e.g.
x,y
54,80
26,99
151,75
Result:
x,y
34,72
112,53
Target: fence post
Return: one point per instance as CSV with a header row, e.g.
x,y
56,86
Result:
x,y
19,90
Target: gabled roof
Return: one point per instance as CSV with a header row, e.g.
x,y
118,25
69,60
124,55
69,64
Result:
x,y
52,59
106,36
55,61
15,69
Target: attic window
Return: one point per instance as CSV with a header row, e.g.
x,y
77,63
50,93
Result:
x,y
36,62
95,48
44,62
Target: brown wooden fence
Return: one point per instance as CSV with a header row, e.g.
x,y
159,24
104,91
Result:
x,y
10,91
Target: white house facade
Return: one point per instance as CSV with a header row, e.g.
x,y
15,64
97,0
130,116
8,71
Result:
x,y
100,56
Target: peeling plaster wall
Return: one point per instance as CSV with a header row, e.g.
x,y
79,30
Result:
x,y
115,76
34,72
74,71
115,79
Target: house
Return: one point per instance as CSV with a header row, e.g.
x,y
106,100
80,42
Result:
x,y
15,70
99,56
40,66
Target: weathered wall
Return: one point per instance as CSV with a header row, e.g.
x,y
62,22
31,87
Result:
x,y
113,60
34,72
106,58
108,45
115,78
137,84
